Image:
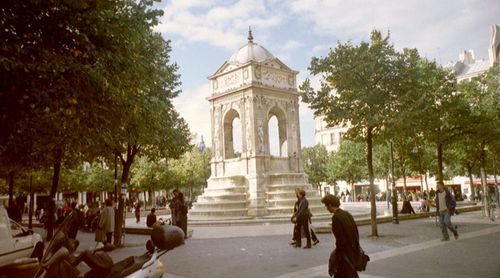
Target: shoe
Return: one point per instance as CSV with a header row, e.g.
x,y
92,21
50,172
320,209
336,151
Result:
x,y
296,245
456,236
315,242
293,242
307,247
445,239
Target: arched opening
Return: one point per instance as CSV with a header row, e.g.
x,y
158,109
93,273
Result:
x,y
277,132
274,144
232,134
237,147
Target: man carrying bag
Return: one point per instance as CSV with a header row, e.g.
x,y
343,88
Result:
x,y
348,257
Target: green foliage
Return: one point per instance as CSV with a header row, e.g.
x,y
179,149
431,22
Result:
x,y
348,163
98,178
358,82
148,175
191,170
315,163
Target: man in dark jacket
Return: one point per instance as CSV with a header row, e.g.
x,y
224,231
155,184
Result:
x,y
346,240
445,206
302,219
151,219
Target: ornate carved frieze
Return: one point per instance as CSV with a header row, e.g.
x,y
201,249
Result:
x,y
258,72
274,78
260,137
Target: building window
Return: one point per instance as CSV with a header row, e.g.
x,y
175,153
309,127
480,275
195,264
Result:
x,y
332,138
324,139
341,137
326,190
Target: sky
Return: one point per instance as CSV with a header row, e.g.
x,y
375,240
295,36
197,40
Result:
x,y
204,34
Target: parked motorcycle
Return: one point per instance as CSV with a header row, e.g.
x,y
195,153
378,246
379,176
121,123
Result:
x,y
61,261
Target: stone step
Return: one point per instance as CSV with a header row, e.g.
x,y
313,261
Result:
x,y
286,202
223,191
289,186
221,205
223,197
217,212
289,195
285,210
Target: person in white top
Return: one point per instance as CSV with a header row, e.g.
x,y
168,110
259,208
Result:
x,y
445,204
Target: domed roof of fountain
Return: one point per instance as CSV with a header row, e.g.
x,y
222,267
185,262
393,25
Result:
x,y
250,52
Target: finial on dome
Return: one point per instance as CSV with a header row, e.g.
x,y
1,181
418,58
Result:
x,y
250,37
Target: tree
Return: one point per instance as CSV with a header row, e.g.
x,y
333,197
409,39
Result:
x,y
144,120
100,83
432,108
315,160
357,88
348,163
483,120
52,92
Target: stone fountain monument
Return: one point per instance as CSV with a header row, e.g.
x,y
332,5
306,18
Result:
x,y
254,86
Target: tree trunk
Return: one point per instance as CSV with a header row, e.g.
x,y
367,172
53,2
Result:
x,y
484,186
403,171
426,182
119,219
55,183
472,187
369,159
11,189
440,161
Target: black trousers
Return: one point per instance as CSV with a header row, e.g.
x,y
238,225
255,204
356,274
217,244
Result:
x,y
303,223
296,237
108,237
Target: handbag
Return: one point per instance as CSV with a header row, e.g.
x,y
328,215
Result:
x,y
361,260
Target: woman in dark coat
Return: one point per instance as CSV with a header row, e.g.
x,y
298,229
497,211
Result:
x,y
180,210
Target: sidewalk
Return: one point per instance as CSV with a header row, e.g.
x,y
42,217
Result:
x,y
266,227
408,249
420,252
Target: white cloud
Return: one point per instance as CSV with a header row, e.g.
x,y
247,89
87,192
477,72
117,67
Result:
x,y
219,24
194,108
438,29
433,27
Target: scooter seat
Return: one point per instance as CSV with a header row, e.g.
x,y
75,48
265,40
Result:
x,y
129,265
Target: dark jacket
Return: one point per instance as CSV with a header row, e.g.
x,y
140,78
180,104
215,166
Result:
x,y
303,210
346,242
449,199
151,219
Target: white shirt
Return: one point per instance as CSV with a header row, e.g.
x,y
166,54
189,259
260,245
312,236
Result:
x,y
442,200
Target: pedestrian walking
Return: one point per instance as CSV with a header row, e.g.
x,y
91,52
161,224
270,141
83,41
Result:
x,y
76,222
137,211
407,208
301,217
296,238
347,248
151,219
445,206
492,203
107,221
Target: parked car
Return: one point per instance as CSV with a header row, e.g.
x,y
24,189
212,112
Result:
x,y
17,242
